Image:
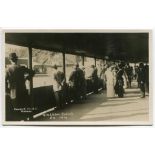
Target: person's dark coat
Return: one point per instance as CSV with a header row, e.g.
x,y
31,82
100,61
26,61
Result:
x,y
141,75
119,83
73,78
141,79
16,77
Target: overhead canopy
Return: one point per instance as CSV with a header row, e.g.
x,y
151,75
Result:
x,y
117,46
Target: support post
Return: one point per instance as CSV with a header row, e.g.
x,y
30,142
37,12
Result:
x,y
30,67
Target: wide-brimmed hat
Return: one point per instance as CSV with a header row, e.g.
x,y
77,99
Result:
x,y
13,56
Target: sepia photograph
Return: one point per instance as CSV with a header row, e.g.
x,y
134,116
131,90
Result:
x,y
77,77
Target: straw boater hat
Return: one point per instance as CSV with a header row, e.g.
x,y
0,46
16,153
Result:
x,y
13,56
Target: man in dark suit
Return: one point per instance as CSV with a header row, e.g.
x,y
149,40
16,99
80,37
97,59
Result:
x,y
94,79
16,77
119,81
16,93
147,77
141,79
75,82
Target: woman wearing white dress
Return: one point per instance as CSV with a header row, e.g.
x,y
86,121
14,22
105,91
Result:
x,y
125,79
110,81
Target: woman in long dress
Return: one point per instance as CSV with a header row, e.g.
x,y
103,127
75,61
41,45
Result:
x,y
125,79
110,81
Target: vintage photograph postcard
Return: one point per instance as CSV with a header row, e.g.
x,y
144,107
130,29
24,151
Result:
x,y
77,77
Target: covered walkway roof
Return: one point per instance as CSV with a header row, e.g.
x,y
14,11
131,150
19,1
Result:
x,y
133,47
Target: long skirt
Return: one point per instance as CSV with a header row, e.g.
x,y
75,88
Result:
x,y
119,88
110,90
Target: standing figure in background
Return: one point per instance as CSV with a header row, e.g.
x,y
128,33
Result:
x,y
110,80
141,79
16,77
114,75
80,82
132,73
103,76
128,71
136,72
83,84
74,84
125,80
119,81
94,78
58,87
147,77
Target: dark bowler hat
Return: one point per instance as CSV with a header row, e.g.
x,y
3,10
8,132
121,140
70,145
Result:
x,y
141,65
13,56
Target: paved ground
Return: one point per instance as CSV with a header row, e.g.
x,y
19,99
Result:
x,y
98,107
